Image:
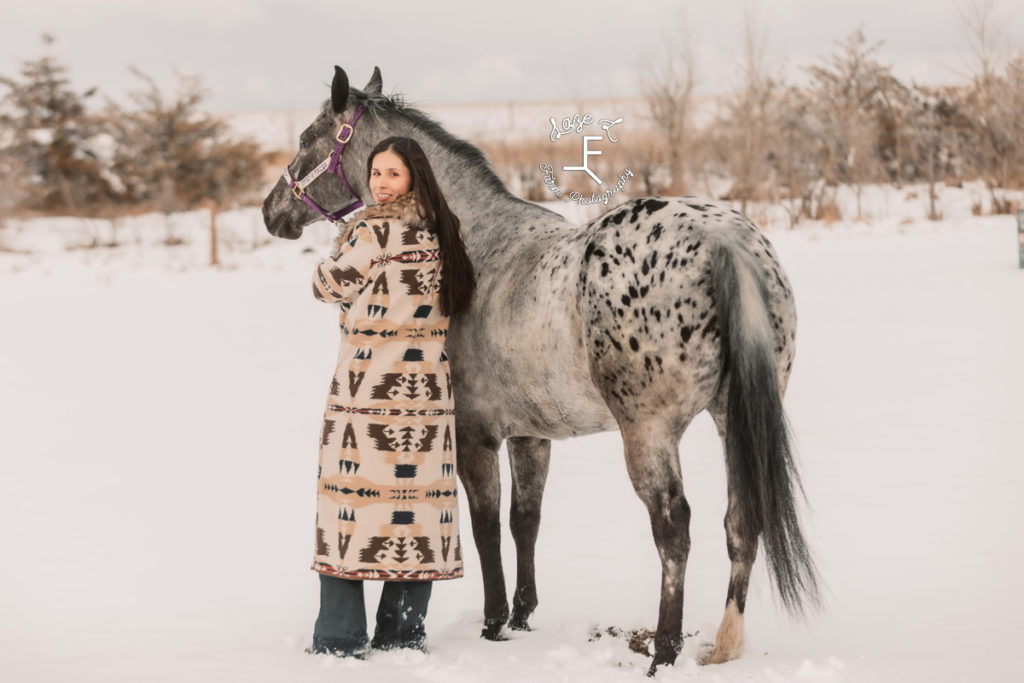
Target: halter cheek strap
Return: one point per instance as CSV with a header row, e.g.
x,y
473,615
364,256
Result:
x,y
332,165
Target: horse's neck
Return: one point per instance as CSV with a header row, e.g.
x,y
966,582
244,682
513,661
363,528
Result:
x,y
486,210
487,214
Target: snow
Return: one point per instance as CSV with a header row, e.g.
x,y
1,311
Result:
x,y
158,454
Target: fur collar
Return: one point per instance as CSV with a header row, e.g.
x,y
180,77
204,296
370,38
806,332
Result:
x,y
406,209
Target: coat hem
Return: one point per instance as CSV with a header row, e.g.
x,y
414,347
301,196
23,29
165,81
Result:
x,y
388,574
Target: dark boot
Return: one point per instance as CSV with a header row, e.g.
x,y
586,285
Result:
x,y
400,616
340,627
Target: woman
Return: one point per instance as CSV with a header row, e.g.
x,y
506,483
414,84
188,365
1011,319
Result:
x,y
386,494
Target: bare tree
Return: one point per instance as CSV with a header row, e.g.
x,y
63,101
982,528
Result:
x,y
849,89
984,34
796,154
668,90
934,132
995,92
746,129
170,156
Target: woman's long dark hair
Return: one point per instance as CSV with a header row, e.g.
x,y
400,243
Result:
x,y
458,280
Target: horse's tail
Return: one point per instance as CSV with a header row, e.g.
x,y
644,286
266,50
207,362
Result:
x,y
759,459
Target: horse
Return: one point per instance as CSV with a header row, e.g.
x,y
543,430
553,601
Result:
x,y
637,321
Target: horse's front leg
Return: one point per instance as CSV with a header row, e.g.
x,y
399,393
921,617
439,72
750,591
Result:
x,y
528,458
477,450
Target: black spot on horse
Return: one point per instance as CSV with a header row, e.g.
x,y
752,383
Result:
x,y
616,218
712,326
653,205
634,344
655,233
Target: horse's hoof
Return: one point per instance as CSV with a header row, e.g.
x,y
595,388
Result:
x,y
721,656
662,659
519,625
493,632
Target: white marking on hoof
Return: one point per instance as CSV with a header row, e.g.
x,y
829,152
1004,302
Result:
x,y
729,641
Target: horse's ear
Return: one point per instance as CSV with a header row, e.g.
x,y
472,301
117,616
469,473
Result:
x,y
339,90
375,83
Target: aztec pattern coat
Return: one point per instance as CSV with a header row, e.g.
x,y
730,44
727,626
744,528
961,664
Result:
x,y
386,494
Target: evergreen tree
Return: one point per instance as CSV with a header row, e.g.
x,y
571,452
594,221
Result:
x,y
49,142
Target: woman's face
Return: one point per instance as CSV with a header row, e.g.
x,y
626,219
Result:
x,y
389,178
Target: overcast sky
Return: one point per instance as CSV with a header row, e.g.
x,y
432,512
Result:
x,y
270,54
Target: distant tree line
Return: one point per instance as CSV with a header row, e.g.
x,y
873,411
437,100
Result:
x,y
63,153
853,123
856,124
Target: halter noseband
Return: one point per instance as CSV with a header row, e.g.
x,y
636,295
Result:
x,y
331,164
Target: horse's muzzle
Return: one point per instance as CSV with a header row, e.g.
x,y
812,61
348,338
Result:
x,y
278,223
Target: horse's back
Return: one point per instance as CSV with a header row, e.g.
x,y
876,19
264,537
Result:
x,y
647,298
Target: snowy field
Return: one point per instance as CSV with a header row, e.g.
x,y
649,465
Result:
x,y
158,451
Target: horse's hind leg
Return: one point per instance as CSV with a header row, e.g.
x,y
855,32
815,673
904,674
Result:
x,y
652,459
478,470
742,546
528,458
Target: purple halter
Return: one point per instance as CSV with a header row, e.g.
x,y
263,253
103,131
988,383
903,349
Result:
x,y
331,164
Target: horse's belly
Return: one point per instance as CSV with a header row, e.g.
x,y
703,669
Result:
x,y
557,408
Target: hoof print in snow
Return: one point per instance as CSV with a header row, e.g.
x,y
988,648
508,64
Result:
x,y
639,640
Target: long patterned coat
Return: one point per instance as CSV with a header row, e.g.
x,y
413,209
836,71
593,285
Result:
x,y
386,492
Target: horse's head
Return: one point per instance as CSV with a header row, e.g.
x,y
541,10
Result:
x,y
326,178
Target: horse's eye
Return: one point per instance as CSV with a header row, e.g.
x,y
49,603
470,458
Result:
x,y
303,144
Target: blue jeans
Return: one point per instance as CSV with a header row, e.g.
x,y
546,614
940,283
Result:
x,y
340,627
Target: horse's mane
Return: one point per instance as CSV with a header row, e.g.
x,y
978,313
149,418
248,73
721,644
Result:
x,y
378,105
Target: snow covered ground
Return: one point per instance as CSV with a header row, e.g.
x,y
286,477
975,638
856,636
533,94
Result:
x,y
158,454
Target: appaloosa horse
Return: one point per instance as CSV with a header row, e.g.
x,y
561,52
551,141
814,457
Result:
x,y
637,321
